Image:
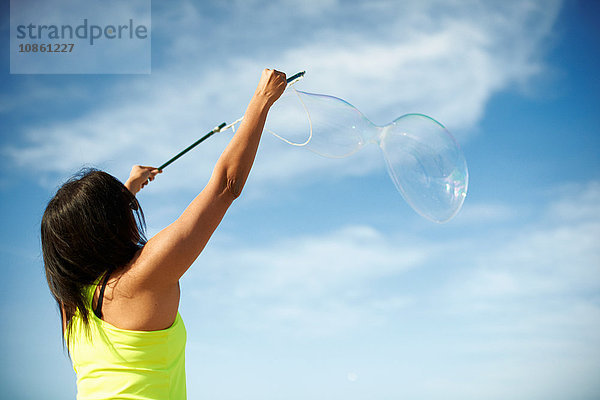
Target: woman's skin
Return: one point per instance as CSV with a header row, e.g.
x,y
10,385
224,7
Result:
x,y
144,294
139,177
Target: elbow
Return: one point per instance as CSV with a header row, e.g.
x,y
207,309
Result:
x,y
234,187
230,180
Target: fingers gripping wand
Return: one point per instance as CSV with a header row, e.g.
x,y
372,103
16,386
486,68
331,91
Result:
x,y
222,127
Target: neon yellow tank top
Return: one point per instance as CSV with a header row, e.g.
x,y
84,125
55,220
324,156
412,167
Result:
x,y
114,363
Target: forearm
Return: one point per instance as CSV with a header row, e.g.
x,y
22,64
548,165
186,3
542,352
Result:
x,y
195,226
167,255
233,167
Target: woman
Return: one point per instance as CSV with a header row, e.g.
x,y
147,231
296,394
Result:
x,y
118,294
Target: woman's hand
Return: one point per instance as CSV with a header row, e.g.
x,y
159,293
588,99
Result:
x,y
139,177
271,85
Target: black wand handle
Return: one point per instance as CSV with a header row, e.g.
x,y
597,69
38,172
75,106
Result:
x,y
191,146
215,130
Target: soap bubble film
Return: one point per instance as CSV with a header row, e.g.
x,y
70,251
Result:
x,y
423,159
426,165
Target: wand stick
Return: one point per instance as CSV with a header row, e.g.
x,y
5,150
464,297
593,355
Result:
x,y
219,128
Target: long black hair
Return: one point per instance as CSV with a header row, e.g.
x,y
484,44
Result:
x,y
93,225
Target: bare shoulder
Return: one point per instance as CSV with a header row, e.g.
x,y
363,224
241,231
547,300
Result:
x,y
131,304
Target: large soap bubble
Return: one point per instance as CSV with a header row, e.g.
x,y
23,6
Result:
x,y
423,159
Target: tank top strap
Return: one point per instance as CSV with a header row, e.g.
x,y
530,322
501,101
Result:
x,y
98,309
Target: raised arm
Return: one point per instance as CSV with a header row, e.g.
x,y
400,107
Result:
x,y
168,255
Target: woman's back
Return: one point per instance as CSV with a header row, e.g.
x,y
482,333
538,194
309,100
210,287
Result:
x,y
128,302
112,362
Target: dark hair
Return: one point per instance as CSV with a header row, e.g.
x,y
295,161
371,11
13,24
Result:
x,y
92,225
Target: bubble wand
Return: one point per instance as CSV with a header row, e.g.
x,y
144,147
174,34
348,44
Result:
x,y
222,127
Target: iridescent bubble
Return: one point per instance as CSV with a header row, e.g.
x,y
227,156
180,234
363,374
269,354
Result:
x,y
326,125
426,165
423,159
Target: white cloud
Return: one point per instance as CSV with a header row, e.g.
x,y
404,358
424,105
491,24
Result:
x,y
560,255
314,285
574,203
437,313
482,213
440,315
494,310
441,59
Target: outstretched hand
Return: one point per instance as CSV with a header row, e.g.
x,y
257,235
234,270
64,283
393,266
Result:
x,y
139,177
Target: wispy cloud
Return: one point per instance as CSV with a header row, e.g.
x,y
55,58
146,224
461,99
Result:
x,y
386,58
494,310
557,256
307,280
485,213
320,275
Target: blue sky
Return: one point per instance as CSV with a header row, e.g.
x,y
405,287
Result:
x,y
321,282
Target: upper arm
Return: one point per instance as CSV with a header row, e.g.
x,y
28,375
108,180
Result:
x,y
169,254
